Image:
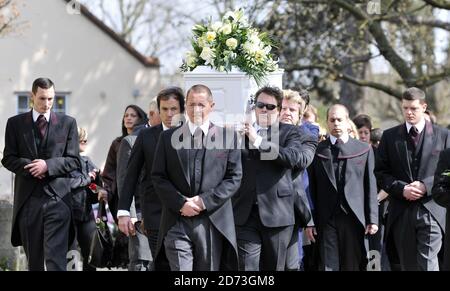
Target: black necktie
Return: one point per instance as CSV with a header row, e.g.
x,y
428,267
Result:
x,y
41,124
262,132
414,135
198,138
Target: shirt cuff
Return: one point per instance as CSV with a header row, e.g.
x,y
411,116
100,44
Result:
x,y
123,213
257,142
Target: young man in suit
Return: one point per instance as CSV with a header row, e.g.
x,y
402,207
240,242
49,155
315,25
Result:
x,y
264,207
170,104
344,194
406,162
196,171
41,148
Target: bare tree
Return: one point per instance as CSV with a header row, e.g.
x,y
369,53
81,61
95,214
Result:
x,y
8,15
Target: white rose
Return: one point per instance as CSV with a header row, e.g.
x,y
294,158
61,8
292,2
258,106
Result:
x,y
260,55
216,25
250,47
202,42
226,29
191,59
210,36
208,55
231,43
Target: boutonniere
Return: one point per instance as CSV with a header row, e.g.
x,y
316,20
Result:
x,y
446,173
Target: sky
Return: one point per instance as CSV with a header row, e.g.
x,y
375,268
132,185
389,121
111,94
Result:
x,y
171,61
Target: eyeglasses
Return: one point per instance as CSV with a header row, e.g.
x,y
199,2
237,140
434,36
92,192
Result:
x,y
83,141
261,105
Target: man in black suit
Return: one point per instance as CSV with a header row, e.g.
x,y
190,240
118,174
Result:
x,y
170,103
441,194
41,148
406,162
344,193
196,171
264,207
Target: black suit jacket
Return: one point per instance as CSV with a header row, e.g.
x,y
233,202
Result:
x,y
62,157
273,178
142,155
441,194
360,187
394,171
222,172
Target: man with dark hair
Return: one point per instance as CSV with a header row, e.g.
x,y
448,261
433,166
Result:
x,y
344,193
406,161
264,207
41,148
170,103
195,181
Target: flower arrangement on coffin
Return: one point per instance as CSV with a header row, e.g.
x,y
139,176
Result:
x,y
229,43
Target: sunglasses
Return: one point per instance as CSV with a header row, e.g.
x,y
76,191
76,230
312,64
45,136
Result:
x,y
261,105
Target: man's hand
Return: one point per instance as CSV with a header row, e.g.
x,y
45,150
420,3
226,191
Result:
x,y
190,209
198,201
126,226
412,193
311,233
102,195
420,186
250,132
37,168
371,229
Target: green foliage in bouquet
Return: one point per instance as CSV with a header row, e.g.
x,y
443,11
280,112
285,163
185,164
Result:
x,y
229,43
446,173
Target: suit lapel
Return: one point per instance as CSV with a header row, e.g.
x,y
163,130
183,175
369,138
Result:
x,y
429,139
183,153
29,135
402,150
52,130
327,162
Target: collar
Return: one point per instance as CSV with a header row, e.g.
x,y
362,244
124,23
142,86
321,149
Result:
x,y
344,138
36,115
164,126
204,127
420,125
258,128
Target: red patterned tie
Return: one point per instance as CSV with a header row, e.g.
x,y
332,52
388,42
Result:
x,y
414,134
41,124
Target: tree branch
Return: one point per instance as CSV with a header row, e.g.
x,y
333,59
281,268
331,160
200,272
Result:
x,y
339,75
418,21
443,4
385,48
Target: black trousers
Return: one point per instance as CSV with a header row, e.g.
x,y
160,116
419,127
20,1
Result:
x,y
342,244
260,247
44,224
193,244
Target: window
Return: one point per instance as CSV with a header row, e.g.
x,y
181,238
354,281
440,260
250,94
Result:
x,y
24,103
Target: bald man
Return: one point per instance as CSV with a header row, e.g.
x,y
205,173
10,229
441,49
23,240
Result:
x,y
344,194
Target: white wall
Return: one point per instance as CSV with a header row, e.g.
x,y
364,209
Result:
x,y
79,58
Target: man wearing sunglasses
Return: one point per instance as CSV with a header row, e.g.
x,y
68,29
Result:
x,y
264,205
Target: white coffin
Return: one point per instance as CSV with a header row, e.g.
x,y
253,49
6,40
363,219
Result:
x,y
231,91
